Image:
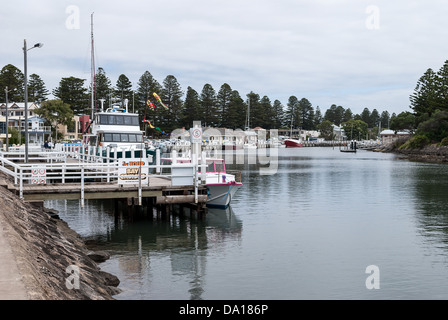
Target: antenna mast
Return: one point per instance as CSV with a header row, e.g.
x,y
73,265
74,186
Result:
x,y
92,71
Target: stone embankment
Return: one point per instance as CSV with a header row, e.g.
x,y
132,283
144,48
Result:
x,y
431,153
53,261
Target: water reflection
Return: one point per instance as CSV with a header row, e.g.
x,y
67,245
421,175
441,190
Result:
x,y
431,190
139,249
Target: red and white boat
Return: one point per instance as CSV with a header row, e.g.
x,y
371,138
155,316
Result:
x,y
293,143
221,184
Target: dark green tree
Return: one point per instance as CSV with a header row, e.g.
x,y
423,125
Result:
x,y
326,130
306,114
335,114
348,115
355,129
278,116
237,111
13,78
123,90
146,87
318,117
254,109
374,118
210,116
385,119
103,88
424,100
171,96
365,116
292,113
37,92
192,108
223,101
404,121
71,91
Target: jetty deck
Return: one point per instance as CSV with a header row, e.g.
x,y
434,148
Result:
x,y
81,175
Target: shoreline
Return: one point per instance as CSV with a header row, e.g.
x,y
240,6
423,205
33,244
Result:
x,y
47,251
431,153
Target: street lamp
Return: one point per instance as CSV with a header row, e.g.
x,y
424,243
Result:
x,y
37,45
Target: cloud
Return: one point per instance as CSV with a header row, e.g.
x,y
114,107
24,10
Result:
x,y
341,51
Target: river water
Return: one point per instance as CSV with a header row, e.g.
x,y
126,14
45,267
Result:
x,y
323,225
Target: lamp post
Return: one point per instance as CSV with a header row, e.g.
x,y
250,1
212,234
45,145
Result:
x,y
6,115
37,45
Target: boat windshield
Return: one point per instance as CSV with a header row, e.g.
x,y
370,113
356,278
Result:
x,y
122,137
215,166
118,119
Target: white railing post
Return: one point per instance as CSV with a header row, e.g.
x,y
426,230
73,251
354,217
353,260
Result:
x,y
158,161
82,186
21,184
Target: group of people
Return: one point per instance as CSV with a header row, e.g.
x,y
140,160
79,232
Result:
x,y
48,145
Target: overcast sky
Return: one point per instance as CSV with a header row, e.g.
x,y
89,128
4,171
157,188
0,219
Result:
x,y
352,53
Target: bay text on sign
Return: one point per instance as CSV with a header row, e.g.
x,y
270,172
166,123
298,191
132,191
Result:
x,y
131,170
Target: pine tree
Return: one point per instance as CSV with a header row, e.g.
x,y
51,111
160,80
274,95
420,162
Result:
x,y
365,116
223,101
253,109
37,92
424,99
13,78
292,113
209,106
103,88
279,114
317,117
191,109
171,96
147,85
123,90
71,90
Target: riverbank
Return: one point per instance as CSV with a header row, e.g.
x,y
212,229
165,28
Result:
x,y
44,247
431,153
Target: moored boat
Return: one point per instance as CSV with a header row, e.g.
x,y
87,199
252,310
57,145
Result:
x,y
221,184
293,143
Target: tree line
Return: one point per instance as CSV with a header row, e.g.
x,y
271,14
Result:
x,y
224,107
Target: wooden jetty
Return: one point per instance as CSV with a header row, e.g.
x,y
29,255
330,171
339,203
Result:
x,y
82,174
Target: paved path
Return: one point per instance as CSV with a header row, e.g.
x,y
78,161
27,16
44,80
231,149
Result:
x,y
11,285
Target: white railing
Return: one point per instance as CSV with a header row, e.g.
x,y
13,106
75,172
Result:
x,y
54,168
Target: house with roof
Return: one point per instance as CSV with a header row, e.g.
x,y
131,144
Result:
x,y
389,136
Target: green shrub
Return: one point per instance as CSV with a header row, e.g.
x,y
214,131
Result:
x,y
444,142
418,141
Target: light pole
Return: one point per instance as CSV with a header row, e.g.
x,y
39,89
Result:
x,y
6,115
37,45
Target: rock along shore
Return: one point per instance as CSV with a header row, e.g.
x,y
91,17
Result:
x,y
431,153
44,247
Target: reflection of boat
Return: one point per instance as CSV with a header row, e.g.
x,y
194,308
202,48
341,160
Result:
x,y
250,145
221,185
293,143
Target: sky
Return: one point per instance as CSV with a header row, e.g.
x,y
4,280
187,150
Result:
x,y
354,53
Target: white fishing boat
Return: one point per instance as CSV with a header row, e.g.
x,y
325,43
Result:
x,y
119,129
221,184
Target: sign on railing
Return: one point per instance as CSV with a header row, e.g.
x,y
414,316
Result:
x,y
38,175
129,170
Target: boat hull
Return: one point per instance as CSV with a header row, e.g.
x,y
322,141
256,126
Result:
x,y
220,195
291,143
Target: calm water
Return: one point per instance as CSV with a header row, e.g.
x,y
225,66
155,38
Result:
x,y
309,231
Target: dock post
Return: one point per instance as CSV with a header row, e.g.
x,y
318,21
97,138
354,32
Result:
x,y
82,186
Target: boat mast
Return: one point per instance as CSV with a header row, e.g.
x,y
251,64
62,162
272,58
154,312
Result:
x,y
248,115
92,71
